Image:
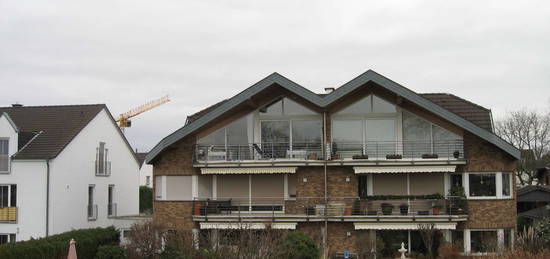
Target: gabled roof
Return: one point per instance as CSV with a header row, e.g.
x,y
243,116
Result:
x,y
10,121
44,131
369,76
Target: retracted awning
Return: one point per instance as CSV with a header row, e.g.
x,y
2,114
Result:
x,y
222,225
250,170
400,226
404,169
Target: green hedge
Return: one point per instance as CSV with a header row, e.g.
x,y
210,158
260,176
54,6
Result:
x,y
110,252
57,246
145,199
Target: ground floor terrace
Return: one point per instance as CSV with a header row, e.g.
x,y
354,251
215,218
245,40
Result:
x,y
383,240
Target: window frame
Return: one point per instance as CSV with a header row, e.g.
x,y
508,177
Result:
x,y
8,170
498,186
102,169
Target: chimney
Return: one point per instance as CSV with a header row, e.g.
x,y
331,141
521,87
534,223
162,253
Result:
x,y
17,105
329,90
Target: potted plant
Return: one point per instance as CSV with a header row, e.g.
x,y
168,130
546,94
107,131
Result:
x,y
404,209
456,154
360,157
436,209
457,200
430,156
394,156
387,208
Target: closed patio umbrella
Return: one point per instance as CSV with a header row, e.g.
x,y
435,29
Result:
x,y
72,250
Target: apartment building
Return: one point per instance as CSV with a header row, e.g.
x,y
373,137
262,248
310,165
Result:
x,y
370,160
63,168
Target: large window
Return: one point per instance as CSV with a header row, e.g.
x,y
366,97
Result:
x,y
483,241
286,106
422,137
290,138
486,185
483,185
4,155
369,104
372,137
102,163
7,238
8,195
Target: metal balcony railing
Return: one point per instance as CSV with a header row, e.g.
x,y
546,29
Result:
x,y
447,149
111,210
375,206
102,169
8,214
372,150
92,211
260,151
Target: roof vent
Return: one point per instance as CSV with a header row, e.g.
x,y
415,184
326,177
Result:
x,y
17,105
329,90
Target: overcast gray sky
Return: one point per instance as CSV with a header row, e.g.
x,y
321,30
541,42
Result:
x,y
124,53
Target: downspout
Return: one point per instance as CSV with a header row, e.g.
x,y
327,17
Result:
x,y
47,197
325,240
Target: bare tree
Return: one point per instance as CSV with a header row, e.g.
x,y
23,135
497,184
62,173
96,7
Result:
x,y
529,131
428,234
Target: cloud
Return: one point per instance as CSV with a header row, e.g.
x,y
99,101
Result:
x,y
124,53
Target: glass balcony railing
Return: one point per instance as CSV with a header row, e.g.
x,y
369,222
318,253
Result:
x,y
371,150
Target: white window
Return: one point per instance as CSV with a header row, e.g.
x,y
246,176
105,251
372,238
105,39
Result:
x,y
102,162
111,205
486,185
8,196
148,180
7,238
4,156
92,207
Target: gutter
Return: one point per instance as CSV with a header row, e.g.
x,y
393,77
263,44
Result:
x,y
48,197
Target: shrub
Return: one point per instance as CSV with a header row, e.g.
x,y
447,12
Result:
x,y
110,252
299,246
543,230
57,246
528,240
145,199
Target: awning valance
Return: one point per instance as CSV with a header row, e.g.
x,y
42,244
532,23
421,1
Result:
x,y
400,226
404,169
249,170
244,226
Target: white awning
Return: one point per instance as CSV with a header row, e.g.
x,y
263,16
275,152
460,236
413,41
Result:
x,y
221,225
404,169
401,226
249,170
230,225
284,225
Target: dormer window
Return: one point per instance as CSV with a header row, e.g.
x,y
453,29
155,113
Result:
x,y
4,156
102,163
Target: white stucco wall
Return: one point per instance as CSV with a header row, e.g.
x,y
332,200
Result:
x,y
7,131
146,170
30,177
73,170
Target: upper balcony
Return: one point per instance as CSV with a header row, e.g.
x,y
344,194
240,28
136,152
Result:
x,y
337,153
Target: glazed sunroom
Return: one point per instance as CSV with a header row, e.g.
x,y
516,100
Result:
x,y
285,132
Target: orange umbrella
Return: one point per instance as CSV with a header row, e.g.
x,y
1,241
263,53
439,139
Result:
x,y
72,250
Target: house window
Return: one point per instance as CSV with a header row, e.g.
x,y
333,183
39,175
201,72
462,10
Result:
x,y
8,196
7,238
363,186
482,185
92,208
483,241
111,205
506,184
102,163
4,155
148,180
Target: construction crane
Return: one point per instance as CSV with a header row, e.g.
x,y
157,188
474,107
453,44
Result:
x,y
124,118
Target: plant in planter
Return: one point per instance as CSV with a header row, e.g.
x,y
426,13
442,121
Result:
x,y
457,200
360,157
430,156
436,209
456,154
394,156
387,208
404,209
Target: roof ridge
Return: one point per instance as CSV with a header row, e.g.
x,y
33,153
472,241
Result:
x,y
53,106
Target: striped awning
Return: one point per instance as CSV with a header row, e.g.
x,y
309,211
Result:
x,y
401,226
243,226
404,169
249,170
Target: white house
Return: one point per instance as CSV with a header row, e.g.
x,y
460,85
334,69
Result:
x,y
63,168
145,171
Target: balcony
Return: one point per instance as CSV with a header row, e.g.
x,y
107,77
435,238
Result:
x,y
337,153
8,214
428,208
